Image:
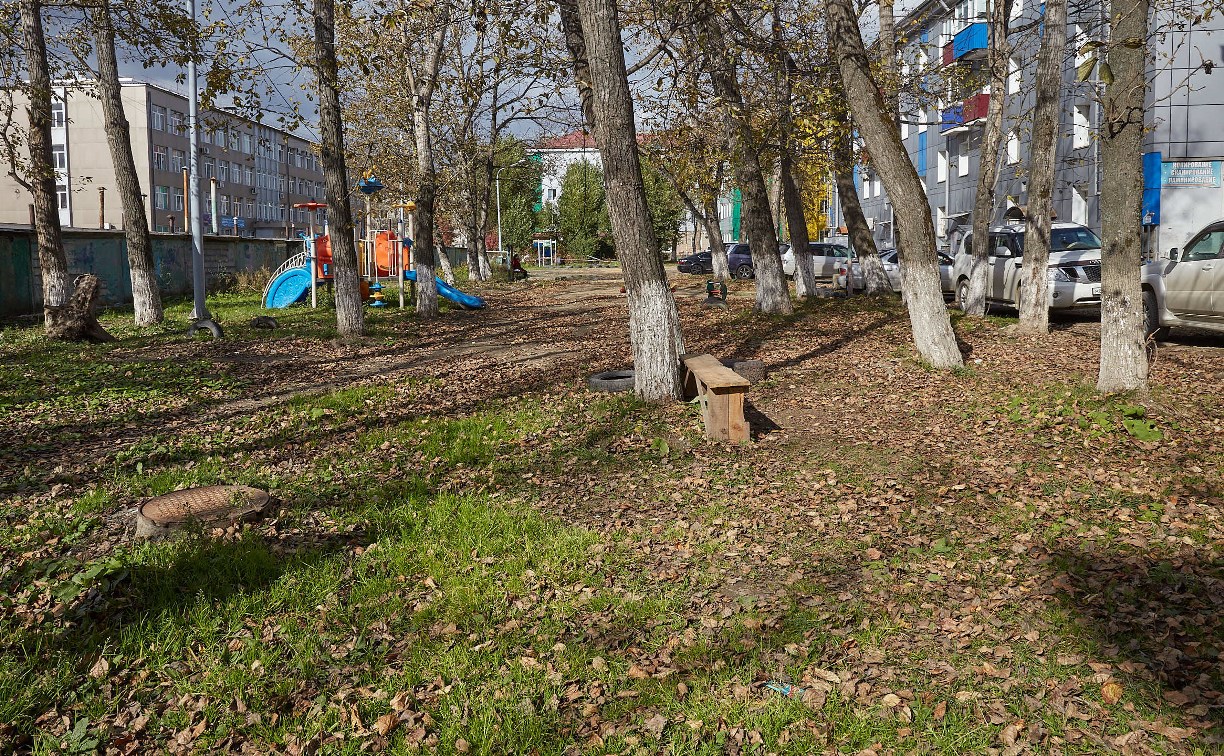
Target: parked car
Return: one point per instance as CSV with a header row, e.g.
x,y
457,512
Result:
x,y
827,259
702,262
890,259
739,259
1074,268
1188,288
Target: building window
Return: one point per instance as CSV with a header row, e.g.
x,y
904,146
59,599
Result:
x,y
58,114
62,192
161,159
962,158
921,121
223,170
1013,76
1079,205
866,191
876,189
205,136
178,159
941,222
176,122
161,197
234,141
1077,39
1080,134
1017,8
905,127
941,167
1013,148
210,170
157,118
178,198
247,145
223,204
59,157
250,175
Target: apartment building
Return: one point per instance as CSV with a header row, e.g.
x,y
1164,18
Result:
x,y
250,174
942,127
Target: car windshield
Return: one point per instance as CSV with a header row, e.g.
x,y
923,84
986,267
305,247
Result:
x,y
1067,239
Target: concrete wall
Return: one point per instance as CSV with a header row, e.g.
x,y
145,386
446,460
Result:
x,y
104,253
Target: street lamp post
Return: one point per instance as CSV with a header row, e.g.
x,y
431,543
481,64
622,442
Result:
x,y
497,187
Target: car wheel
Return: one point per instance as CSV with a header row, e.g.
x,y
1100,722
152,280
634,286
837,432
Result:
x,y
1151,317
744,271
962,294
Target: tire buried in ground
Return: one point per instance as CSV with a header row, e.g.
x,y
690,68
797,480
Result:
x,y
612,380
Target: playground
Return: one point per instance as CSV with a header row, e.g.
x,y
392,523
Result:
x,y
470,551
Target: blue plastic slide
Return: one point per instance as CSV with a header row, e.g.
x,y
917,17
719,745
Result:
x,y
467,301
288,288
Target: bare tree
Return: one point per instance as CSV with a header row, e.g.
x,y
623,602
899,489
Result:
x,y
988,165
875,281
933,336
422,79
593,36
349,315
1035,282
771,290
1123,358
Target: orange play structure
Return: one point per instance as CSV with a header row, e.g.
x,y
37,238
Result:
x,y
388,254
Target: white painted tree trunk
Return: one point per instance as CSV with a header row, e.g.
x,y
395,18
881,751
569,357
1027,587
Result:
x,y
997,57
1035,282
52,262
146,292
933,336
654,323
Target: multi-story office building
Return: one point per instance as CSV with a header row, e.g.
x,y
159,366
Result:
x,y
260,172
946,52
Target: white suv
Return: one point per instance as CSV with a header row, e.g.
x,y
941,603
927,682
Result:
x,y
1075,266
1188,288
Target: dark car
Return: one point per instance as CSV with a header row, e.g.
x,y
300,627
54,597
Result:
x,y
702,262
739,259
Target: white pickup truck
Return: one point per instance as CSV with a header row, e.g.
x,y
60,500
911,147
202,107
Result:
x,y
1187,289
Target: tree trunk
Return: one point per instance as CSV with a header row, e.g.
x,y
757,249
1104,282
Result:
x,y
1035,282
1124,364
427,189
796,226
718,251
875,281
427,174
888,58
76,320
933,336
350,318
988,167
52,262
146,292
654,323
772,295
448,272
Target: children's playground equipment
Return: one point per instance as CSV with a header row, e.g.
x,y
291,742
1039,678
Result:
x,y
386,257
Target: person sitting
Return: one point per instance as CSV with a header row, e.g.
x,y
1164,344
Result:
x,y
516,268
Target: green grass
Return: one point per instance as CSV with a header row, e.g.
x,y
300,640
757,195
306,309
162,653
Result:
x,y
412,566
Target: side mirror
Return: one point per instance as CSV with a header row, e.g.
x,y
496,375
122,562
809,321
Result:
x,y
1173,253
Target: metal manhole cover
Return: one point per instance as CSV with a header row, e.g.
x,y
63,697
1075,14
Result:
x,y
208,505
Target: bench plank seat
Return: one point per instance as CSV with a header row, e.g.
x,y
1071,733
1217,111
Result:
x,y
721,392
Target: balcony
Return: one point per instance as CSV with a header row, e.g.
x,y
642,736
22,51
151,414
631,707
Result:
x,y
970,42
960,117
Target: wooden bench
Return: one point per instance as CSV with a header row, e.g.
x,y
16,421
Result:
x,y
721,391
